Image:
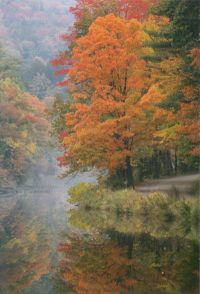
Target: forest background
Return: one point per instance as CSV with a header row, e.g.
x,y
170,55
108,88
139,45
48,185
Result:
x,y
131,71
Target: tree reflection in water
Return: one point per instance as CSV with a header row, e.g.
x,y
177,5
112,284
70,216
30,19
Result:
x,y
98,253
24,250
103,256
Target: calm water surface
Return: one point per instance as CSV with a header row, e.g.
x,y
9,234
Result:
x,y
48,247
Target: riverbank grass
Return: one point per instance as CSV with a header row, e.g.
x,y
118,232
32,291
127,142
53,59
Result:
x,y
127,201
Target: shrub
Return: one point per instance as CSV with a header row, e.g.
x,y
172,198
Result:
x,y
156,205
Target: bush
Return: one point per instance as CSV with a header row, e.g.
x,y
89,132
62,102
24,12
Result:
x,y
195,189
80,192
156,205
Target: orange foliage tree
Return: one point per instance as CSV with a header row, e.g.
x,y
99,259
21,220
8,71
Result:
x,y
125,93
24,130
107,124
87,11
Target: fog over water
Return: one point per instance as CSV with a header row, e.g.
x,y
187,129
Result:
x,y
33,220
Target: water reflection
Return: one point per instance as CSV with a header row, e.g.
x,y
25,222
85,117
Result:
x,y
109,253
32,222
23,257
46,249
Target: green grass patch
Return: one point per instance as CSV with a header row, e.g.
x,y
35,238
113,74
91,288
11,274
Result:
x,y
126,201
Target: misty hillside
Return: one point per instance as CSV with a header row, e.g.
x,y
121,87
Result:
x,y
31,31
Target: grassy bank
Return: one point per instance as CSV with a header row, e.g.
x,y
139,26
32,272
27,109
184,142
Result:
x,y
128,202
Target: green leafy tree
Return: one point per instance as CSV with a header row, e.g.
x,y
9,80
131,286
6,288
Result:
x,y
40,85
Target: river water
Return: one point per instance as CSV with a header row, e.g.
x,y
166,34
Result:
x,y
49,247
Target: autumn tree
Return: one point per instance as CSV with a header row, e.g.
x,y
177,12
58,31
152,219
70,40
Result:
x,y
125,94
23,130
176,69
106,126
87,11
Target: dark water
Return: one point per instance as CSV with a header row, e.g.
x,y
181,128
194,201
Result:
x,y
48,247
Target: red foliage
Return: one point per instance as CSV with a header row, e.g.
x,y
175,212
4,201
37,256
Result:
x,y
31,117
61,161
63,134
64,247
125,8
62,71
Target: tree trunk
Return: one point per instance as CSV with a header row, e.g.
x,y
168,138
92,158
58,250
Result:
x,y
167,164
175,162
141,170
130,247
156,165
129,173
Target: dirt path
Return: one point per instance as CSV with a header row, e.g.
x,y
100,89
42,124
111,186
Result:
x,y
179,183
